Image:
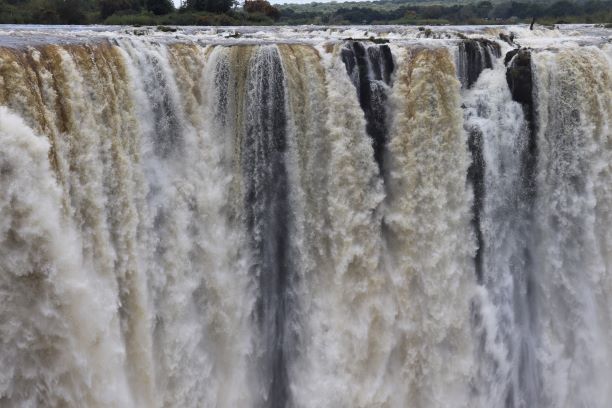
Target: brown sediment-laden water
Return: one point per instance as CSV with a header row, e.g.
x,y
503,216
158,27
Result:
x,y
308,217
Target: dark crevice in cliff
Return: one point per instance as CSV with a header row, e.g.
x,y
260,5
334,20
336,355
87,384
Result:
x,y
268,221
370,69
168,130
519,77
475,55
475,176
520,83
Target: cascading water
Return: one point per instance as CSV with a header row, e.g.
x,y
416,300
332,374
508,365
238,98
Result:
x,y
503,203
573,109
300,218
370,69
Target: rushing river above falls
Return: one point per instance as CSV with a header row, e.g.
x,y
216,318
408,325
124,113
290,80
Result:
x,y
276,217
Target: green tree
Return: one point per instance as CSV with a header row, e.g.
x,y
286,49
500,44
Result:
x,y
109,7
484,8
42,12
262,6
71,12
159,7
214,6
562,8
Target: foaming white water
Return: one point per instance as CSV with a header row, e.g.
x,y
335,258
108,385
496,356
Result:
x,y
573,258
345,285
61,339
503,320
197,269
101,189
429,262
315,223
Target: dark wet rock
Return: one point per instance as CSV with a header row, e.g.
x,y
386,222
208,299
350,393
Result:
x,y
476,55
518,75
166,29
370,68
509,55
520,82
509,38
476,176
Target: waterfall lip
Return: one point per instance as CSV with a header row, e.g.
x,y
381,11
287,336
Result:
x,y
32,35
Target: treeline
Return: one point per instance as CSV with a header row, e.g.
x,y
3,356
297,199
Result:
x,y
137,12
261,12
483,12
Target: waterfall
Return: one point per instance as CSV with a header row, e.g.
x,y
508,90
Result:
x,y
61,337
503,214
573,110
370,69
305,217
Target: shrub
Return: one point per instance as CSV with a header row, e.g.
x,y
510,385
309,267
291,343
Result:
x,y
263,7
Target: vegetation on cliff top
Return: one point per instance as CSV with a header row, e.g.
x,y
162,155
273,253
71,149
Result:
x,y
261,12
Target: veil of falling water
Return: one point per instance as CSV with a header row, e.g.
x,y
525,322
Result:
x,y
294,219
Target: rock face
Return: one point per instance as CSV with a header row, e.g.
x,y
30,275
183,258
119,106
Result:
x,y
476,176
518,75
370,68
520,81
202,221
509,38
475,55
